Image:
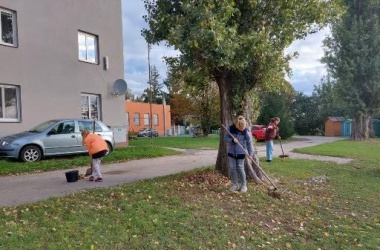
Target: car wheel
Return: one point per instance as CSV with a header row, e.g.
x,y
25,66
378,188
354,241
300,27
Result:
x,y
109,148
30,154
155,135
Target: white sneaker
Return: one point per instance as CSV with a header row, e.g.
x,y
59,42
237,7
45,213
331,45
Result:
x,y
243,189
234,187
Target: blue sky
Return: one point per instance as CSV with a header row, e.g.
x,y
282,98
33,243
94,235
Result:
x,y
307,70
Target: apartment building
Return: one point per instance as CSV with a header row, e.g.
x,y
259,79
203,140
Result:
x,y
141,115
60,59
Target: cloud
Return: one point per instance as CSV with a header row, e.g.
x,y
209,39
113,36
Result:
x,y
136,48
307,69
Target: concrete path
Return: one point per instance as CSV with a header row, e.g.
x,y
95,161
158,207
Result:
x,y
302,142
15,190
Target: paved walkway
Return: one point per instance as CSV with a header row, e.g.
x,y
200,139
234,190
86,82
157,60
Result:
x,y
15,190
301,142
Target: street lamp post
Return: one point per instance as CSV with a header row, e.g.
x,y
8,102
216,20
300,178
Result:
x,y
163,109
150,95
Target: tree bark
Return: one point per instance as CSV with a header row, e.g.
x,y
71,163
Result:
x,y
225,118
252,169
361,125
371,132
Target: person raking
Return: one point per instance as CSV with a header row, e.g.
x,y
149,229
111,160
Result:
x,y
97,148
271,133
236,154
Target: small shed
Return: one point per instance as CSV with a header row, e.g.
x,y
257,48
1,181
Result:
x,y
376,126
333,125
345,128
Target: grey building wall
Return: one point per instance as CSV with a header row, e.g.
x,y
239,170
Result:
x,y
45,64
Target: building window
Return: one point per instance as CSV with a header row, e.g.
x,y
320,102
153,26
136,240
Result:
x,y
9,103
146,119
127,118
90,105
136,119
155,119
88,47
8,27
89,125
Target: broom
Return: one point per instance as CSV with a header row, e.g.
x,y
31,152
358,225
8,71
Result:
x,y
271,191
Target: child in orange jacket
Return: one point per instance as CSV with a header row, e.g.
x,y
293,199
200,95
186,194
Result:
x,y
97,148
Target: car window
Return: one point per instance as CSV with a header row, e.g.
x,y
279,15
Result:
x,y
41,127
63,128
89,126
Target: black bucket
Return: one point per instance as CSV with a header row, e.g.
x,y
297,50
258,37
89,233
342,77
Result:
x,y
72,176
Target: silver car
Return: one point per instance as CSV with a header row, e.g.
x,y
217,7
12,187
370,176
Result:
x,y
54,137
147,132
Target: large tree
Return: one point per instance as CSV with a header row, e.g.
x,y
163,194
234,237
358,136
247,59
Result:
x,y
277,105
238,43
353,58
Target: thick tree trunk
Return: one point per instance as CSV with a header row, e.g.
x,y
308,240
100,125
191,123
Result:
x,y
361,124
226,119
371,133
252,169
225,93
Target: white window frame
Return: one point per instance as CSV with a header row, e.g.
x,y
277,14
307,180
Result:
x,y
146,119
3,115
14,27
155,119
86,108
127,118
136,119
94,60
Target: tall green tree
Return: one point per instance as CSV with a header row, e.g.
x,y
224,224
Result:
x,y
194,96
353,58
305,114
327,102
277,105
238,43
205,105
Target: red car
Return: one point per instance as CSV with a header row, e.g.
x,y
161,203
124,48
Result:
x,y
258,132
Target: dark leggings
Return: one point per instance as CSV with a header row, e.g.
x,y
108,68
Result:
x,y
99,154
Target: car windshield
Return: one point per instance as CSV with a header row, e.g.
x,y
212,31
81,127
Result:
x,y
41,127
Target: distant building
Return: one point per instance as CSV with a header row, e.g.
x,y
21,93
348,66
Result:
x,y
339,126
333,125
59,59
138,116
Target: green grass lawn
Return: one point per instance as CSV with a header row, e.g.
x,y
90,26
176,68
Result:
x,y
186,142
194,210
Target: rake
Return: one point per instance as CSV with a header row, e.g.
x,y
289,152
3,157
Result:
x,y
283,155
